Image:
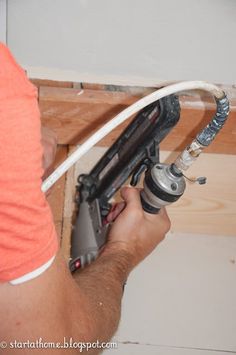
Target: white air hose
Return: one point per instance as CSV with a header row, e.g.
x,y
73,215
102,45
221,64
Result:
x,y
121,117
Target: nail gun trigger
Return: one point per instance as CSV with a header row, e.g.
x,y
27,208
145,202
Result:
x,y
137,174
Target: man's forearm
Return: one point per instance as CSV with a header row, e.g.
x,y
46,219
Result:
x,y
102,283
85,309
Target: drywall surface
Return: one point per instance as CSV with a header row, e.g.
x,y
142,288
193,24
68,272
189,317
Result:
x,y
181,299
126,41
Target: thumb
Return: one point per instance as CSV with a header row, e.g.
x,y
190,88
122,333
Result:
x,y
131,196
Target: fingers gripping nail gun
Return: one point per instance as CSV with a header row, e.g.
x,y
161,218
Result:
x,y
134,152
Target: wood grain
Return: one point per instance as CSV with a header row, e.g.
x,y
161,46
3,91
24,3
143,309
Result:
x,y
57,193
75,114
51,83
210,208
204,209
68,210
81,96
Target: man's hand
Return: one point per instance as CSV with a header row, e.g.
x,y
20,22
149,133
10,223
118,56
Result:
x,y
134,230
49,143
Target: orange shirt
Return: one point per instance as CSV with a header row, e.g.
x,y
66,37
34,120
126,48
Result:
x,y
27,234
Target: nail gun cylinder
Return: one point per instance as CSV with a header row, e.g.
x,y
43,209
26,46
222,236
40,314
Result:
x,y
163,185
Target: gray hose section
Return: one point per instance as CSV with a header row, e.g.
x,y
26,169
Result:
x,y
206,136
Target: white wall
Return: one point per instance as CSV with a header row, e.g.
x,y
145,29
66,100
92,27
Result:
x,y
129,41
3,21
181,299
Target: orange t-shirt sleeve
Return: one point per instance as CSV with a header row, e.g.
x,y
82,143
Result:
x,y
27,233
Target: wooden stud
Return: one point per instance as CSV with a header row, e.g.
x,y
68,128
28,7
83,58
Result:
x,y
68,211
56,195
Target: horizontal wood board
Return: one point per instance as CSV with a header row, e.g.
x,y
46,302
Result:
x,y
74,114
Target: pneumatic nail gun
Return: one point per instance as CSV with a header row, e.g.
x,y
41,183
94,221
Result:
x,y
136,151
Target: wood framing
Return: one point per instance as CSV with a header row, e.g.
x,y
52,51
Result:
x,y
74,111
56,196
75,114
